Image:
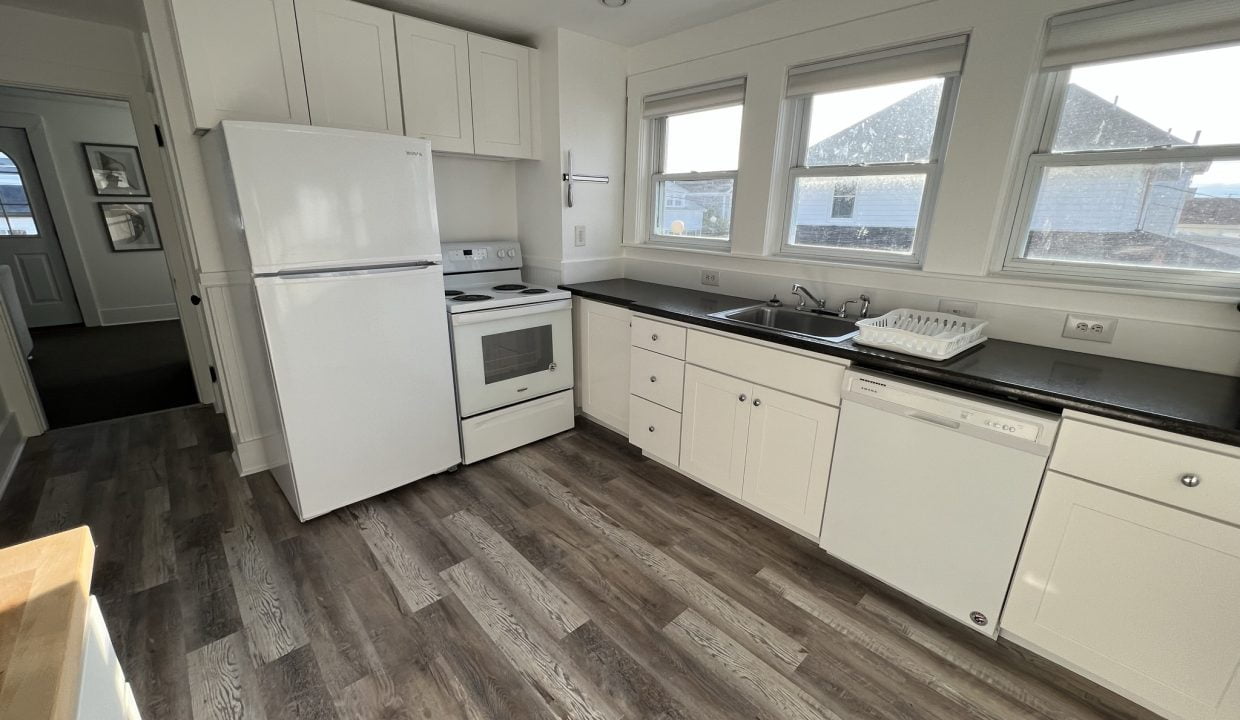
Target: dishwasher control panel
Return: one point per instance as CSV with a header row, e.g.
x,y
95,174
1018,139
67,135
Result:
x,y
942,409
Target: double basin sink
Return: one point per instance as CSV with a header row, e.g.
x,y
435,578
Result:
x,y
801,322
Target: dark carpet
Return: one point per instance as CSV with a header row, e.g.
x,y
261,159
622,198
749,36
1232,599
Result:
x,y
86,374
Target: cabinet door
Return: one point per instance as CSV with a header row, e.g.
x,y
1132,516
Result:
x,y
603,340
349,51
242,60
714,427
788,457
499,78
1141,595
103,693
434,83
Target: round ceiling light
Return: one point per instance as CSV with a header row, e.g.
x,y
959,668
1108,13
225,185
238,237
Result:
x,y
614,3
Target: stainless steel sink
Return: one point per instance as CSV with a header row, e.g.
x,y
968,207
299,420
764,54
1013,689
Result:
x,y
810,324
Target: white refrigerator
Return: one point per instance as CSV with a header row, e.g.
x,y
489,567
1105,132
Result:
x,y
342,237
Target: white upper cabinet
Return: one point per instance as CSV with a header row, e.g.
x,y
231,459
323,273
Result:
x,y
499,75
349,53
434,84
241,60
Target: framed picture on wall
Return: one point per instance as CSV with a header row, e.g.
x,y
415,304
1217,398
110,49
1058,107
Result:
x,y
131,226
115,169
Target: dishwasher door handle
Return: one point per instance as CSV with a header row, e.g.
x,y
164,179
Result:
x,y
933,419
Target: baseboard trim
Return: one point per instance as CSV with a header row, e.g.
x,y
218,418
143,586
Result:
x,y
255,456
11,445
138,314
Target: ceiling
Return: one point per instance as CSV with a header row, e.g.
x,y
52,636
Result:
x,y
125,13
518,20
521,20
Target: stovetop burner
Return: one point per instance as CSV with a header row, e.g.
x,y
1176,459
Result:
x,y
508,288
533,291
471,298
453,293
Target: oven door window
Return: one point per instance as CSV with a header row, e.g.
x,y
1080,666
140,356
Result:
x,y
516,353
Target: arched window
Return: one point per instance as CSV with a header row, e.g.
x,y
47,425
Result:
x,y
15,215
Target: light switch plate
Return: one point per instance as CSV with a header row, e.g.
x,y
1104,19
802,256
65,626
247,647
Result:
x,y
1090,327
579,235
710,277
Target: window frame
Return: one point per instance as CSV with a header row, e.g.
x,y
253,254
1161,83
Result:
x,y
1050,93
657,139
4,211
797,127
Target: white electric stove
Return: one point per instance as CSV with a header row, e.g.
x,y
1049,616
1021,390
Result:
x,y
512,348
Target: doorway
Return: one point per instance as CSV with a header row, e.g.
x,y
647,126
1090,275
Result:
x,y
83,259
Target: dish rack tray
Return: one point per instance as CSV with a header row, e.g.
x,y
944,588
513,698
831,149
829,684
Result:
x,y
930,335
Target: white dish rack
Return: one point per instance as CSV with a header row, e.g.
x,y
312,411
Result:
x,y
925,334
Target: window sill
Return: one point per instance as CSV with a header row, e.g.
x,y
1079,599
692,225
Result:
x,y
710,248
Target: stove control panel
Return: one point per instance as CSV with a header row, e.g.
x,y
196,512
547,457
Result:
x,y
467,257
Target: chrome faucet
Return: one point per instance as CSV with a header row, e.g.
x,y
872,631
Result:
x,y
803,292
865,307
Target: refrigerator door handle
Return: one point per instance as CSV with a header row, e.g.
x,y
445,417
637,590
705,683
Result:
x,y
380,270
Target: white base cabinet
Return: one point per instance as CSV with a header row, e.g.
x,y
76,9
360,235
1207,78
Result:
x,y
1140,594
714,428
602,336
103,693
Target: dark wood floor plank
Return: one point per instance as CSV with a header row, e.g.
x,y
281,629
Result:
x,y
158,563
382,527
293,689
146,631
527,648
223,685
542,598
62,504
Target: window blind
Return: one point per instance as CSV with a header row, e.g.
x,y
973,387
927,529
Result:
x,y
929,59
702,97
1139,27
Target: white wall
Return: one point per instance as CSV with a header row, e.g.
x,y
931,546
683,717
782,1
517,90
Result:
x,y
124,286
539,190
970,219
477,199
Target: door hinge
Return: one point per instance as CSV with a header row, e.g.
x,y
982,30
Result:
x,y
214,375
159,136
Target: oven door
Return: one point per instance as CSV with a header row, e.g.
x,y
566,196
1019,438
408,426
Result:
x,y
507,355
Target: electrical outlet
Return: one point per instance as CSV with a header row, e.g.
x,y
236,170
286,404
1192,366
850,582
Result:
x,y
710,277
1090,327
579,235
963,308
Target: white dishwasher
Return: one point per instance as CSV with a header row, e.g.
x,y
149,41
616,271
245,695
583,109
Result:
x,y
931,491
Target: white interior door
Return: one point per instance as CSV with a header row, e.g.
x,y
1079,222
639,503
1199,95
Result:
x,y
28,241
317,198
363,376
714,428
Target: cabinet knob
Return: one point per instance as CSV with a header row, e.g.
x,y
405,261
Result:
x,y
651,428
654,337
1190,480
652,378
756,402
742,398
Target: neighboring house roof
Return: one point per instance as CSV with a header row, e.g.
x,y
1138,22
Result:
x,y
905,129
1211,211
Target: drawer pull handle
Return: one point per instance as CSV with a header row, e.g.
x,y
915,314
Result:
x,y
756,402
652,378
1190,480
654,337
651,428
742,398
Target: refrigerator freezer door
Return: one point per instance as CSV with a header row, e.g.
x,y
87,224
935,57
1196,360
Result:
x,y
363,375
314,198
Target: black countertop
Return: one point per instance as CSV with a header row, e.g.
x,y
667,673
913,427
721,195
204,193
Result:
x,y
1194,403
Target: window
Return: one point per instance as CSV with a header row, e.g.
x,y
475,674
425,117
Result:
x,y
695,144
1136,172
15,215
870,132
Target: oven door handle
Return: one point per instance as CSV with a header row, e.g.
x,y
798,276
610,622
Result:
x,y
483,316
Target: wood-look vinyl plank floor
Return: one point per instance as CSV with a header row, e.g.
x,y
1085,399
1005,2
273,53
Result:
x,y
571,578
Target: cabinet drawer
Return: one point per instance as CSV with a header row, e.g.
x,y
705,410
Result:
x,y
1152,467
660,337
807,377
657,378
654,429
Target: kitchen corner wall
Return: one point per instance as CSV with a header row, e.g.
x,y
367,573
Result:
x,y
112,287
970,220
476,198
581,83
